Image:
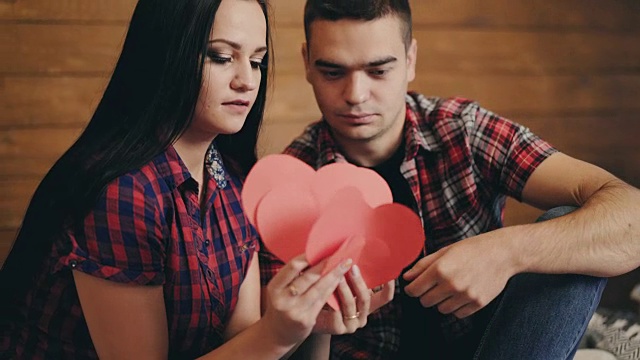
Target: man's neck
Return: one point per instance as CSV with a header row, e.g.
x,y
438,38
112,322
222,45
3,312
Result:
x,y
372,152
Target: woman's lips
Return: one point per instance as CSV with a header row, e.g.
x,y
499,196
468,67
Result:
x,y
237,106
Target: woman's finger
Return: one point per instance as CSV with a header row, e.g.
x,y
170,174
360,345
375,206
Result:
x,y
347,301
361,293
305,279
318,293
289,272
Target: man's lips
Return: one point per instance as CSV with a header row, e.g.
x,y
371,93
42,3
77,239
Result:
x,y
357,119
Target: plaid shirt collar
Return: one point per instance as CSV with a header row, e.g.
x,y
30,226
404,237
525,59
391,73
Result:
x,y
171,168
415,138
175,173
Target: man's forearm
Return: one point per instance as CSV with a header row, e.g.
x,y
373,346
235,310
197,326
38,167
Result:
x,y
602,238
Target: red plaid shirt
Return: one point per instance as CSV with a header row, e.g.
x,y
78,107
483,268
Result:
x,y
461,162
146,229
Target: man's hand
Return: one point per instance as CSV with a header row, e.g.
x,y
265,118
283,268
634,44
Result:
x,y
464,277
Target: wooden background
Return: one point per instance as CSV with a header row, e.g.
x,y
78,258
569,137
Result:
x,y
570,70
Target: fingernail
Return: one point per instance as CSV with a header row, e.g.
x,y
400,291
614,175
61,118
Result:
x,y
347,264
355,271
409,272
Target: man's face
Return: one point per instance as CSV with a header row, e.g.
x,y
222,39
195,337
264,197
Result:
x,y
359,71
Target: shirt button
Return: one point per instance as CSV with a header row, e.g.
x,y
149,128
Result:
x,y
207,242
73,264
209,274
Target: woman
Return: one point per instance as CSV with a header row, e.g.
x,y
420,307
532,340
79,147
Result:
x,y
135,244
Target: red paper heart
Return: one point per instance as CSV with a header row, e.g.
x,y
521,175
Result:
x,y
341,211
398,228
392,232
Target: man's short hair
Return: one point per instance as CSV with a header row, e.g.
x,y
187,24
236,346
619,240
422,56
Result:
x,y
365,10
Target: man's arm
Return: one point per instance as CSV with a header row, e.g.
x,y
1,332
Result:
x,y
602,238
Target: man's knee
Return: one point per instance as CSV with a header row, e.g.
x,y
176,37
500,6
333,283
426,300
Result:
x,y
556,212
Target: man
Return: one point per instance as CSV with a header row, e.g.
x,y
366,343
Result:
x,y
480,290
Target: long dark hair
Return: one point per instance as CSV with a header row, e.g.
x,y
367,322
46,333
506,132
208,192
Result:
x,y
148,103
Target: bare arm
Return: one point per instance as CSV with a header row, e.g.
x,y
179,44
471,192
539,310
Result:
x,y
125,321
129,322
247,311
602,238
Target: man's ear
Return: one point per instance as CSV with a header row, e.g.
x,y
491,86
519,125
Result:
x,y
304,50
412,57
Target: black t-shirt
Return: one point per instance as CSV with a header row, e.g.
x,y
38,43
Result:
x,y
420,327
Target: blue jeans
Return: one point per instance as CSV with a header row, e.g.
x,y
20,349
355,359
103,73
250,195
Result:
x,y
539,316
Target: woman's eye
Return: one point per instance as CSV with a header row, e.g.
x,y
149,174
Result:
x,y
218,59
257,64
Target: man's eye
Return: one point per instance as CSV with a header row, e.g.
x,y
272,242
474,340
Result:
x,y
332,74
378,72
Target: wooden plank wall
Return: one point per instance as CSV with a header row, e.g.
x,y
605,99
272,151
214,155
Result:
x,y
570,70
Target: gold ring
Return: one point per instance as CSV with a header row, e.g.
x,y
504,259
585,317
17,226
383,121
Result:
x,y
377,289
293,290
352,317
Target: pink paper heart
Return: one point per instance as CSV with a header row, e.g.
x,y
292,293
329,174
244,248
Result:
x,y
392,232
351,248
267,174
284,217
341,211
395,238
343,217
332,178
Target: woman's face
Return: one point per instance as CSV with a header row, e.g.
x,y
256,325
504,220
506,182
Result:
x,y
232,68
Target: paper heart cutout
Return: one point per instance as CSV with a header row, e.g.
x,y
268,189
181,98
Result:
x,y
268,173
351,248
392,232
345,216
331,178
341,211
284,218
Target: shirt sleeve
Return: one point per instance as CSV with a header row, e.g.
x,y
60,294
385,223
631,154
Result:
x,y
506,153
121,239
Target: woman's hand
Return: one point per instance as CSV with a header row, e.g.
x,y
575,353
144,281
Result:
x,y
295,297
356,303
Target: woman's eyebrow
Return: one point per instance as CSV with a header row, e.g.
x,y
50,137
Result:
x,y
235,45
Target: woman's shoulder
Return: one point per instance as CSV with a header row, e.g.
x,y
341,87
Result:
x,y
148,184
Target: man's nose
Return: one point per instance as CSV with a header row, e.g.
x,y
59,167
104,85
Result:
x,y
356,89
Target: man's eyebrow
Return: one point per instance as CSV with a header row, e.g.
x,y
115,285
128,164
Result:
x,y
375,63
235,45
383,61
328,64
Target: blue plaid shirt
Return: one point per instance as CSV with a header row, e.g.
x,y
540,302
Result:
x,y
146,229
